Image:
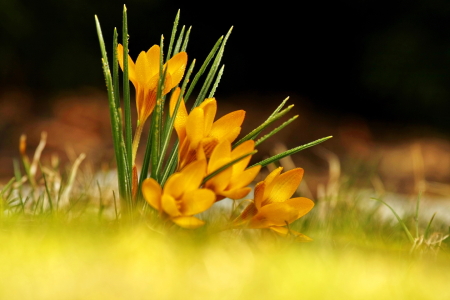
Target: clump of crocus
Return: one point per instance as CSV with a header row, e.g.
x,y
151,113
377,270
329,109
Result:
x,y
273,206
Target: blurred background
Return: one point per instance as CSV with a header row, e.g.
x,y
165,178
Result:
x,y
374,74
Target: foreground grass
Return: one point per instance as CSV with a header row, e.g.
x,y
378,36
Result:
x,y
51,259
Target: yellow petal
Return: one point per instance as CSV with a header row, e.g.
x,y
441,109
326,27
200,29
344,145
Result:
x,y
152,193
227,123
176,67
209,106
197,201
243,179
273,175
249,212
239,151
195,127
146,105
232,134
193,175
153,55
220,156
220,182
208,144
299,237
188,222
167,84
169,205
283,186
175,185
143,66
181,118
301,204
131,66
236,194
274,214
259,193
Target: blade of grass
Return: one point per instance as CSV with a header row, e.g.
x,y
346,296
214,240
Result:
x,y
176,50
408,234
172,36
186,40
212,72
290,152
171,163
116,69
427,230
203,68
275,131
216,83
416,214
126,92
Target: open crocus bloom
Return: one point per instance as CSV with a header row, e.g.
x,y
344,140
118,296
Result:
x,y
198,129
181,198
233,181
273,206
145,76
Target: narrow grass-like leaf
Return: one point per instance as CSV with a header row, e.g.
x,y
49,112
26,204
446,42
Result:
x,y
275,131
50,200
126,93
290,152
172,36
255,132
216,83
226,166
115,74
171,163
119,145
279,107
203,68
176,50
186,40
171,119
407,232
212,72
416,214
427,230
156,120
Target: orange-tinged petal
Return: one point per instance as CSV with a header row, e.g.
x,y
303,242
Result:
x,y
169,205
236,194
273,175
176,67
228,122
259,193
143,66
152,193
188,222
249,212
181,117
220,156
232,134
195,127
175,185
301,204
193,175
239,151
209,106
243,179
208,144
153,55
131,66
197,201
220,182
283,186
274,214
167,84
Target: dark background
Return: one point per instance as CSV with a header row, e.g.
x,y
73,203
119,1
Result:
x,y
381,60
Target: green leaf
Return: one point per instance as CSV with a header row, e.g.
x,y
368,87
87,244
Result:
x,y
276,130
216,83
172,36
290,152
126,93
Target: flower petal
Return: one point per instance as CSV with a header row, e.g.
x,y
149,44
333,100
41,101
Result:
x,y
176,67
188,222
197,201
209,106
243,179
131,66
274,214
195,127
227,123
169,205
182,115
152,193
249,212
220,156
143,66
239,151
175,185
283,186
237,193
153,55
301,204
193,175
259,193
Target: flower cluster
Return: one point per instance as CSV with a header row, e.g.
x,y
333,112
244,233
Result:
x,y
205,164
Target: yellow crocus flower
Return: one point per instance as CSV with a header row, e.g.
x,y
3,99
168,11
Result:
x,y
233,181
198,129
273,206
181,198
145,76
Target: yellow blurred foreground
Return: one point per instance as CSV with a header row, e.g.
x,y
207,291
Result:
x,y
103,261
